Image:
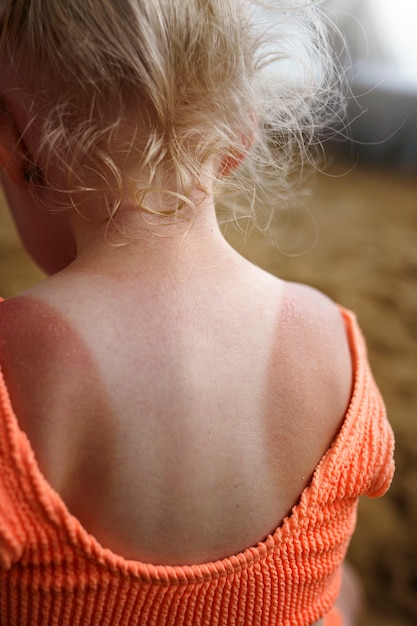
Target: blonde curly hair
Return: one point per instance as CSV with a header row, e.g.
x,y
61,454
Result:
x,y
149,90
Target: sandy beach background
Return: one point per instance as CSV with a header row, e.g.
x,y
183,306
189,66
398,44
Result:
x,y
355,238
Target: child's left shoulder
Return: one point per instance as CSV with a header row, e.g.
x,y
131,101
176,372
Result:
x,y
315,312
321,340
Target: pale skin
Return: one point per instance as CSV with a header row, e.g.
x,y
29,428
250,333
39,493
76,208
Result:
x,y
176,396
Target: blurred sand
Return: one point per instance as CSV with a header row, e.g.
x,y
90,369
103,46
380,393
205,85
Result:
x,y
366,259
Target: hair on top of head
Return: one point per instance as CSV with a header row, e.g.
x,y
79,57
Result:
x,y
132,92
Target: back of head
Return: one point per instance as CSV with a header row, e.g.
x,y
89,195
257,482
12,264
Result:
x,y
128,91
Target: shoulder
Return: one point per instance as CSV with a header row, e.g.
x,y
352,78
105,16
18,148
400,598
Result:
x,y
29,330
315,327
39,353
319,319
28,345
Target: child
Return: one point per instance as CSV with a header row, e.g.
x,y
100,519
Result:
x,y
183,437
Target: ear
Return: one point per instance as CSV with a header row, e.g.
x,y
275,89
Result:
x,y
231,162
13,161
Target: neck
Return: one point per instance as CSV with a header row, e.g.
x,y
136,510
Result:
x,y
150,244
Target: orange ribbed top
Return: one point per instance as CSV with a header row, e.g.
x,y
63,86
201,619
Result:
x,y
52,572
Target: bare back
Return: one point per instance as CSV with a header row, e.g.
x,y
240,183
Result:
x,y
179,425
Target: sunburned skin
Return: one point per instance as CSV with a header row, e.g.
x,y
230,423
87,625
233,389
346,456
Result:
x,y
68,419
70,427
149,482
36,342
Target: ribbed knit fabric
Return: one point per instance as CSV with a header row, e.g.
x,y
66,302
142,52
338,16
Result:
x,y
53,573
